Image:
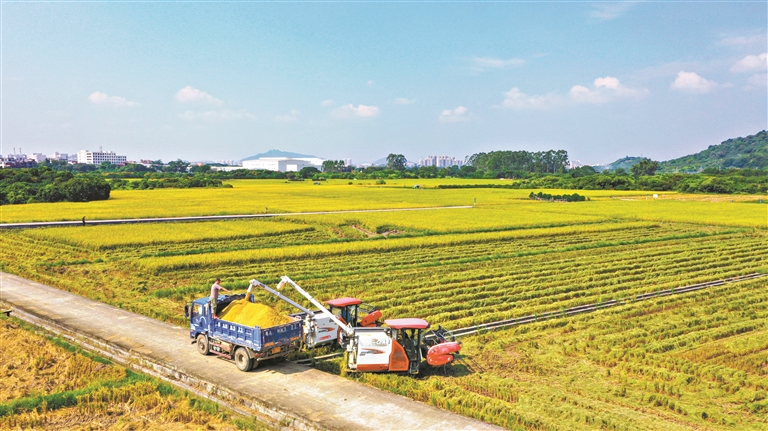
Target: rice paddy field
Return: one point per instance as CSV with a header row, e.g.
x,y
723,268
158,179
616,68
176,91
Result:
x,y
49,384
692,361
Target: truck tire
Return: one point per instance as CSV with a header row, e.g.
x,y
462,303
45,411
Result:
x,y
242,360
202,344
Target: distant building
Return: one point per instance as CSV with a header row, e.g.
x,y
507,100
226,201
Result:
x,y
283,164
347,162
13,161
99,157
441,161
225,168
38,157
59,156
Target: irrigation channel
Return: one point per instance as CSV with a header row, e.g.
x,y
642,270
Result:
x,y
485,327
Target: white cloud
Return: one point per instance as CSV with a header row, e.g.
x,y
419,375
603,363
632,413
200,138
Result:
x,y
453,115
582,94
608,11
189,94
327,103
291,117
606,89
481,64
751,63
692,82
370,83
222,115
515,98
350,111
99,98
608,82
404,101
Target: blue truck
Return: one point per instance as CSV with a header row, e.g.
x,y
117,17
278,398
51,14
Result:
x,y
245,345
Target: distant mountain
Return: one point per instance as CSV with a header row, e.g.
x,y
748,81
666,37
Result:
x,y
748,152
380,162
276,153
624,163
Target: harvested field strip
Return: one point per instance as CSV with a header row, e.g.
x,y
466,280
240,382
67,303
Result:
x,y
454,253
370,246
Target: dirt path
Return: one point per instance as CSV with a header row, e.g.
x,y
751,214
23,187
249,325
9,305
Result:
x,y
199,218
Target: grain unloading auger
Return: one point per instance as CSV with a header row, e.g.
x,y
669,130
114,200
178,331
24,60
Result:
x,y
399,347
319,328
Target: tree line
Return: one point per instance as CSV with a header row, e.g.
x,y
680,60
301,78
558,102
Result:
x,y
30,185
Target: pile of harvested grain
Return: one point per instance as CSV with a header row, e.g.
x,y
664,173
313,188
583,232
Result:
x,y
250,314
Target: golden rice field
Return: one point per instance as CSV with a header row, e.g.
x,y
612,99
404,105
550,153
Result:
x,y
51,385
691,362
127,235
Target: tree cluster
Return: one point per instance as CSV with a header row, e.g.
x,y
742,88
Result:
x,y
514,164
42,184
575,197
167,180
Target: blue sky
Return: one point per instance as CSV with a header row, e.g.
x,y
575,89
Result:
x,y
360,80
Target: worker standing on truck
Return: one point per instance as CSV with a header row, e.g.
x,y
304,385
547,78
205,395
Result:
x,y
249,294
215,295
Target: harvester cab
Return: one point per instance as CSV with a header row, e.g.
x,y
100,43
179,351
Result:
x,y
409,333
349,309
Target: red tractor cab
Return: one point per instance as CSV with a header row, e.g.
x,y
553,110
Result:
x,y
348,309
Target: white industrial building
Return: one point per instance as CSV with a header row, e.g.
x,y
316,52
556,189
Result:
x,y
283,164
98,157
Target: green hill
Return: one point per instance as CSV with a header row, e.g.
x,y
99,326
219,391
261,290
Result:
x,y
624,163
747,152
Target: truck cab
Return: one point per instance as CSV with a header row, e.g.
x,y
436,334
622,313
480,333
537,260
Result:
x,y
199,314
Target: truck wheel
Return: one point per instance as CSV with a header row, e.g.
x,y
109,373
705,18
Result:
x,y
202,344
242,360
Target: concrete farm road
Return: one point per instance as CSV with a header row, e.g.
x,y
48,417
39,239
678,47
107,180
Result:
x,y
288,395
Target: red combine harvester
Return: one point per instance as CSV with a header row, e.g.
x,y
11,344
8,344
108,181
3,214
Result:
x,y
401,346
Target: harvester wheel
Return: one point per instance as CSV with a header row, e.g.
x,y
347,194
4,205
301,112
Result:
x,y
202,344
242,360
